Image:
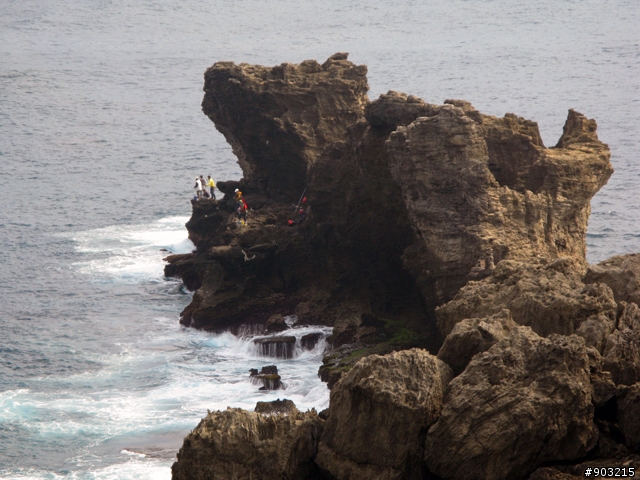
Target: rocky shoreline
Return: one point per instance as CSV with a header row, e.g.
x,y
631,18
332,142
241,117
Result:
x,y
446,248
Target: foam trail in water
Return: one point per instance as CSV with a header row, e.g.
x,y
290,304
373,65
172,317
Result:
x,y
131,253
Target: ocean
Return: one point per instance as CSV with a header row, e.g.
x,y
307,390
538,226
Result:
x,y
101,134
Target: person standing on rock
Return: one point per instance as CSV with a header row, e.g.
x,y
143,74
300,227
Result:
x,y
198,187
212,185
241,209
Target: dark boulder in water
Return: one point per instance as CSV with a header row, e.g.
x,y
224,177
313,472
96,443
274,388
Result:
x,y
276,346
310,340
268,376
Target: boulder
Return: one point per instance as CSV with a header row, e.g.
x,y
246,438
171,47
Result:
x,y
276,323
546,295
622,353
621,273
629,415
276,346
479,189
379,413
603,389
276,406
525,401
472,336
236,444
310,340
268,376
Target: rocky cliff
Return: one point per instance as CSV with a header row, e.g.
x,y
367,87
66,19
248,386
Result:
x,y
427,225
408,202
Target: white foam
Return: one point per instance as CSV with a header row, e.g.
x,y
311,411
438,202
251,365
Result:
x,y
131,253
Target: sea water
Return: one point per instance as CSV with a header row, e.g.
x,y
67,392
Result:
x,y
101,136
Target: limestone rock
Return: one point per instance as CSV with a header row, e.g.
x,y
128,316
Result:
x,y
276,406
378,416
621,273
523,402
479,189
409,201
629,415
278,119
236,444
548,296
472,336
622,351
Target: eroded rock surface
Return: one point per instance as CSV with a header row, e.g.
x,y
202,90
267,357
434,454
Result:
x,y
629,415
379,415
279,119
525,401
621,273
235,444
444,191
548,296
480,189
472,336
622,351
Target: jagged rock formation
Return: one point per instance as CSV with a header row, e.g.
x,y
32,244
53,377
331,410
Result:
x,y
443,190
547,296
622,351
236,444
425,222
629,415
283,406
278,120
397,396
480,189
621,273
267,376
524,402
472,336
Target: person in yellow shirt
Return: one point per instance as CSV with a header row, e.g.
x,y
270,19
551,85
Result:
x,y
212,185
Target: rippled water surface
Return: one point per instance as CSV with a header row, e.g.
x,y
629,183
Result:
x,y
101,133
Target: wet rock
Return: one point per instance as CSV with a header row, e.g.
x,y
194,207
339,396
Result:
x,y
267,376
236,444
276,323
523,402
276,346
629,415
379,414
472,336
622,349
276,406
548,296
310,340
